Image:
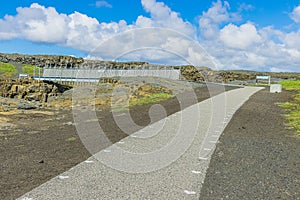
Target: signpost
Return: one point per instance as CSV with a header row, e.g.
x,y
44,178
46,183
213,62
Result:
x,y
23,76
264,78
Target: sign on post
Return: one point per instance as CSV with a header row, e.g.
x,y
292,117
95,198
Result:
x,y
23,76
264,78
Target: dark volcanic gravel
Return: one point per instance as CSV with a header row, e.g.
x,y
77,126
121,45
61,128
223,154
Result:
x,y
257,157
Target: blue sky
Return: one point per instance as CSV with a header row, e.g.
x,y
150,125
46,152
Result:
x,y
253,35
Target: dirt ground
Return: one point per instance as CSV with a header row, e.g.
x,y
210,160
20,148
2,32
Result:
x,y
36,145
257,157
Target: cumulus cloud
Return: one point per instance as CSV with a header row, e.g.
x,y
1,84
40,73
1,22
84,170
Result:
x,y
165,31
158,45
241,37
246,46
163,16
211,20
40,24
163,37
295,15
7,31
36,23
292,40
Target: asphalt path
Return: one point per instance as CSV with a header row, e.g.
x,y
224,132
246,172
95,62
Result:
x,y
165,160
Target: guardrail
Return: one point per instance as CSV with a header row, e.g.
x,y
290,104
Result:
x,y
94,74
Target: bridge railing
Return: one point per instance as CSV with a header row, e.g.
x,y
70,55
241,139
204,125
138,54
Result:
x,y
86,74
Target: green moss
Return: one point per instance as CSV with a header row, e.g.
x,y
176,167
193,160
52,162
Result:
x,y
156,97
152,98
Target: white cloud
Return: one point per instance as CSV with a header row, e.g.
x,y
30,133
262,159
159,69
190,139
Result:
x,y
163,16
248,47
218,12
36,23
245,7
7,31
211,20
100,4
292,40
164,31
241,37
295,15
164,37
255,60
39,24
276,69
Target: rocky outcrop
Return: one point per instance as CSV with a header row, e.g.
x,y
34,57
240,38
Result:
x,y
40,60
200,74
114,93
192,73
30,90
243,75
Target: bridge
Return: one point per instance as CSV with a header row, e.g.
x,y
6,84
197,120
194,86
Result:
x,y
93,74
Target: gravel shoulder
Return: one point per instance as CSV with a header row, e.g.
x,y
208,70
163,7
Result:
x,y
257,157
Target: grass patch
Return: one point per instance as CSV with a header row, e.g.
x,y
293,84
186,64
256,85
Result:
x,y
293,107
71,139
29,69
291,85
286,105
153,98
7,70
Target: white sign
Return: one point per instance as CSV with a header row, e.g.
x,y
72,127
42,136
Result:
x,y
23,75
263,77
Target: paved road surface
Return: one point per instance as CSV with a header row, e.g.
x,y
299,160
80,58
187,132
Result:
x,y
166,160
